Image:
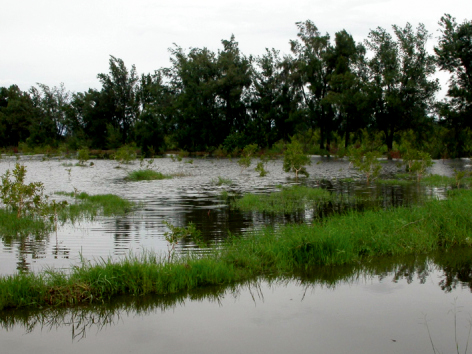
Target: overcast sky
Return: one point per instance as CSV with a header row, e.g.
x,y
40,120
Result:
x,y
54,41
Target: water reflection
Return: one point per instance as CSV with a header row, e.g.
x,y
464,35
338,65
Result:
x,y
452,269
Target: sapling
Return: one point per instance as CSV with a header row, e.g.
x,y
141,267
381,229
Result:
x,y
176,234
261,166
366,162
20,197
295,159
125,154
246,158
417,162
83,156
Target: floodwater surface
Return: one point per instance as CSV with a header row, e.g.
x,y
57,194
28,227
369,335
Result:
x,y
415,304
195,197
405,305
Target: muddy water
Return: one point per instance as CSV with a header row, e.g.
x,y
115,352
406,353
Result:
x,y
385,307
194,197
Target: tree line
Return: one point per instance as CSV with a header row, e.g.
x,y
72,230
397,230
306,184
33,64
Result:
x,y
328,92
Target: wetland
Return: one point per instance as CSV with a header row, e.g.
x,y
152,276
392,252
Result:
x,y
388,304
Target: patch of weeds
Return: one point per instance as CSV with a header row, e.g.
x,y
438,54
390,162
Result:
x,y
394,182
437,180
91,205
146,175
288,200
221,181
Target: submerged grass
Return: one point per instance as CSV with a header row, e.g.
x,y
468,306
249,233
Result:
x,y
106,204
288,200
339,240
11,225
146,175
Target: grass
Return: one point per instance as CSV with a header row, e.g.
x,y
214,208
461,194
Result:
x,y
288,200
438,180
340,240
146,175
221,181
91,205
11,225
394,182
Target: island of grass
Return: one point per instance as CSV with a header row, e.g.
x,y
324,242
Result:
x,y
287,200
86,206
338,240
145,175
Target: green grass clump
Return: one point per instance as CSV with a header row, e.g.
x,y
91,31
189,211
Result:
x,y
438,180
145,175
342,239
221,181
394,182
91,205
11,225
288,200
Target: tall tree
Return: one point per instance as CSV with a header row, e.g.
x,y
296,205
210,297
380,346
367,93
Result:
x,y
311,76
274,100
17,113
401,80
120,85
454,54
347,80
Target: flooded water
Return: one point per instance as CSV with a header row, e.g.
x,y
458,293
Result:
x,y
195,198
392,306
387,306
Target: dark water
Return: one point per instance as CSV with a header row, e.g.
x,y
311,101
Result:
x,y
391,306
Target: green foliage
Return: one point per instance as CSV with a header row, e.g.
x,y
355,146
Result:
x,y
417,162
83,155
126,154
295,159
221,181
341,240
176,234
146,175
246,158
366,162
23,199
260,168
288,200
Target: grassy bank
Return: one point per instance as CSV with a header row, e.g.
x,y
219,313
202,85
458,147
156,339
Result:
x,y
339,240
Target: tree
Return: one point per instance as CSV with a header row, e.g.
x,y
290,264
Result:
x,y
17,112
454,54
195,115
347,85
401,87
311,76
52,105
120,85
295,159
274,100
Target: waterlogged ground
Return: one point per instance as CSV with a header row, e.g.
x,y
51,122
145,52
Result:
x,y
194,197
389,307
397,306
